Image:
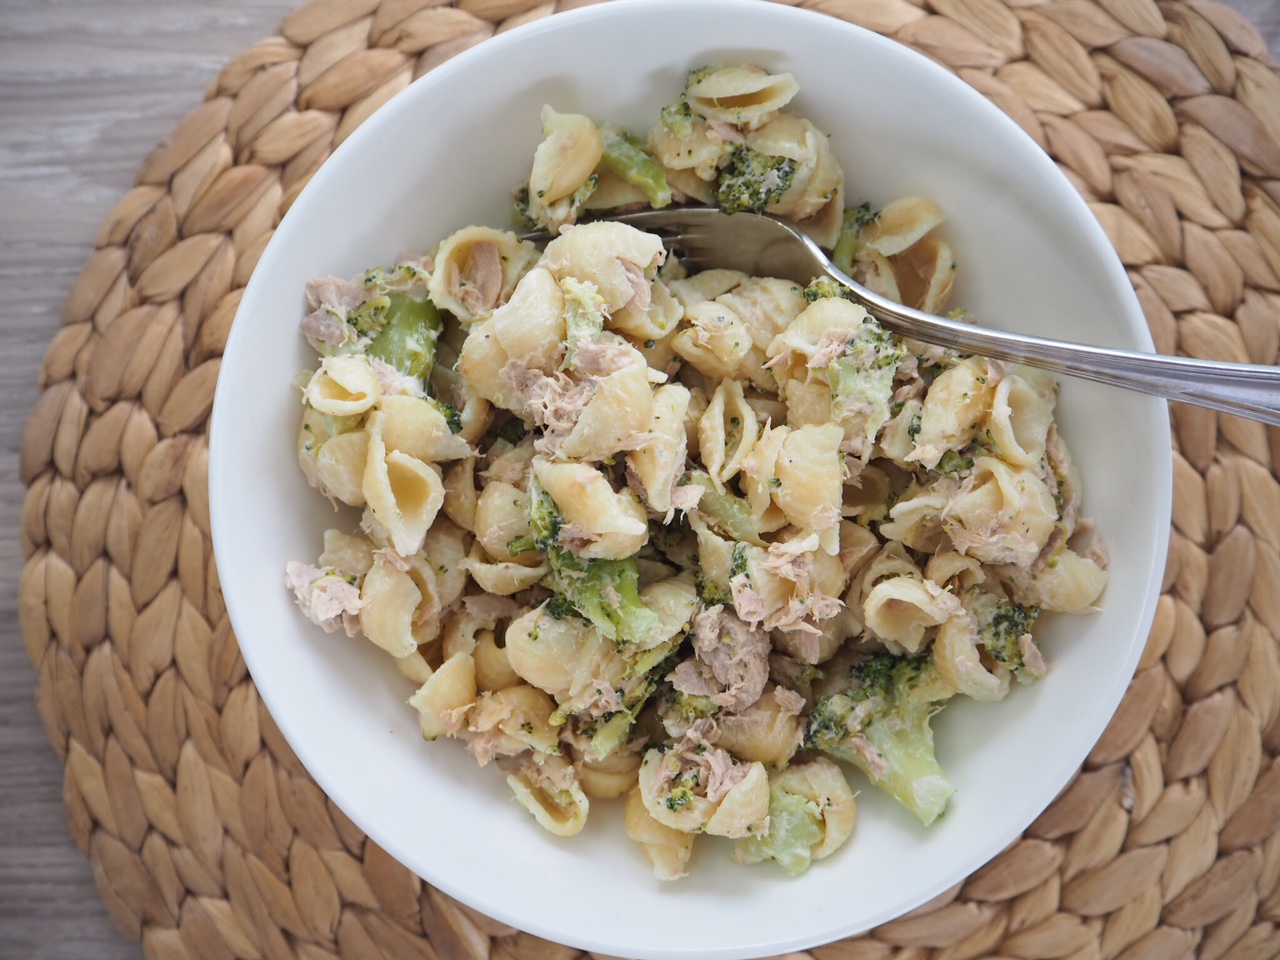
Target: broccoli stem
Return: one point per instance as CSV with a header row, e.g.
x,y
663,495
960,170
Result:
x,y
408,336
623,156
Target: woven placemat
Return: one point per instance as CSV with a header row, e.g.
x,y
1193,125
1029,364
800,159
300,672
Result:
x,y
207,837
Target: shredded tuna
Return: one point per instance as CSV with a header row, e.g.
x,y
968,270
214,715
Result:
x,y
489,608
340,296
746,601
553,401
876,767
736,654
725,132
390,556
392,382
641,294
575,537
831,345
790,702
454,721
686,498
696,758
327,599
323,328
601,359
1032,659
789,563
805,646
479,283
693,678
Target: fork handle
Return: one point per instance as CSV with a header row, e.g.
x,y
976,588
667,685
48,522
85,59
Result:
x,y
1244,389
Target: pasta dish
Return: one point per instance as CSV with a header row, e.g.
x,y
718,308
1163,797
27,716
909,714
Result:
x,y
698,542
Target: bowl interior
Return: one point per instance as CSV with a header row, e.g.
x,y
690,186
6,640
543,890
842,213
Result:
x,y
445,154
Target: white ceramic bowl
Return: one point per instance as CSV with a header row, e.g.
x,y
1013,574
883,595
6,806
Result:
x,y
445,154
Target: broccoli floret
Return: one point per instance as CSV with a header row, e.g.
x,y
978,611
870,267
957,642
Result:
x,y
678,118
855,220
953,462
752,180
520,216
732,515
862,380
513,431
881,726
623,156
795,828
406,339
604,592
826,287
679,711
450,413
584,311
1001,626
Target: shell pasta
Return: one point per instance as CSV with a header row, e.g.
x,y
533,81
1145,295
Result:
x,y
710,546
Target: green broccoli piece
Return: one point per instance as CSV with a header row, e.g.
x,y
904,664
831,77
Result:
x,y
449,412
826,287
881,726
520,216
795,828
752,180
684,709
625,157
854,221
604,592
862,380
584,311
513,431
678,118
953,462
1001,626
410,327
732,515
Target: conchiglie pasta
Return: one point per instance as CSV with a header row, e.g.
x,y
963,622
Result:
x,y
447,693
613,256
726,433
565,158
658,465
404,493
1018,421
1001,514
810,472
559,809
742,96
612,525
476,269
344,386
953,408
619,411
666,848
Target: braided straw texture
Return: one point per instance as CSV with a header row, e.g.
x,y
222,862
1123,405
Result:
x,y
208,839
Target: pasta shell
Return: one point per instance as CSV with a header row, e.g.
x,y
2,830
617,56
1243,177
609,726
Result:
x,y
340,466
390,599
743,96
810,471
567,155
667,849
476,269
1018,421
726,433
1001,514
955,652
899,225
659,464
613,256
447,691
344,386
404,493
415,426
901,609
613,525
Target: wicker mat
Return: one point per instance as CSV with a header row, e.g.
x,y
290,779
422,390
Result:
x,y
209,840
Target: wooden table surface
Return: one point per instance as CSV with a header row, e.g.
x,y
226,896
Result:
x,y
87,87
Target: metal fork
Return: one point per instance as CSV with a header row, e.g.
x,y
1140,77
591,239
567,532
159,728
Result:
x,y
764,246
